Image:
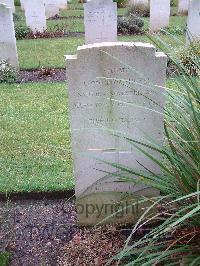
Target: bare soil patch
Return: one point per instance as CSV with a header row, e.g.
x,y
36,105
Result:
x,y
39,75
35,231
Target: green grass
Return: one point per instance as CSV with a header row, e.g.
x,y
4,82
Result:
x,y
70,25
77,24
4,259
34,138
46,52
50,52
73,10
34,132
175,21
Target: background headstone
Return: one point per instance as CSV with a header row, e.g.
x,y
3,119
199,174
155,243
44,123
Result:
x,y
100,19
51,8
193,21
8,48
35,15
97,103
141,2
22,4
9,3
62,4
183,6
159,14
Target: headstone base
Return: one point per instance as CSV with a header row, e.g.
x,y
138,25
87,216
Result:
x,y
113,207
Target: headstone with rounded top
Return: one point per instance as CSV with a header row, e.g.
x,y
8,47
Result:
x,y
117,94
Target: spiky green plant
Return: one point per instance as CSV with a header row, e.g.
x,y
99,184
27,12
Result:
x,y
175,240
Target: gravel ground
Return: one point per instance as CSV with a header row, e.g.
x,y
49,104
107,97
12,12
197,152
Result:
x,y
94,246
45,232
35,231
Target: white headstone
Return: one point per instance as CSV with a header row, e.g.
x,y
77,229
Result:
x,y
159,14
141,2
22,4
8,48
183,6
100,19
51,8
9,3
133,106
62,4
35,15
193,21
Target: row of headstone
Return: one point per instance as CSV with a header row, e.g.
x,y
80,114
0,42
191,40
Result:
x,y
100,18
38,11
52,6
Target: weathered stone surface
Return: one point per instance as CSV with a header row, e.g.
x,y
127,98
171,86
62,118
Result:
x,y
193,22
159,14
183,6
62,4
9,3
113,207
8,48
22,4
35,15
51,8
140,2
112,86
100,20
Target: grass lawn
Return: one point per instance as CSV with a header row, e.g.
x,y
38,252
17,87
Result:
x,y
34,138
34,133
4,258
76,24
50,52
46,52
69,24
